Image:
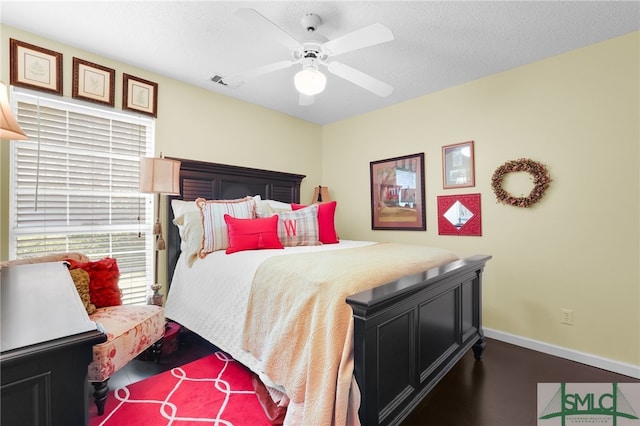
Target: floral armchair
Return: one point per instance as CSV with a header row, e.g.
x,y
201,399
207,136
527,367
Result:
x,y
130,329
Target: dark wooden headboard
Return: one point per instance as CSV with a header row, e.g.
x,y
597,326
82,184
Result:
x,y
224,182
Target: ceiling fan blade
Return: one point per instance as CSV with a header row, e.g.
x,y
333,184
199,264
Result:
x,y
241,77
361,79
306,100
258,21
365,37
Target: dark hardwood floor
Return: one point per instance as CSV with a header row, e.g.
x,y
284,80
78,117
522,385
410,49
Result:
x,y
499,390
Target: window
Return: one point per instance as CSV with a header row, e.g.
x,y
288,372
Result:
x,y
75,186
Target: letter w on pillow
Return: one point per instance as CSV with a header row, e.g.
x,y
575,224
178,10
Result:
x,y
290,227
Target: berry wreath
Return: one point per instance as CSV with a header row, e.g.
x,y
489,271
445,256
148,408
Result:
x,y
541,182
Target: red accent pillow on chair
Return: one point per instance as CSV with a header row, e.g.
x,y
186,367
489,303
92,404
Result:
x,y
103,281
326,226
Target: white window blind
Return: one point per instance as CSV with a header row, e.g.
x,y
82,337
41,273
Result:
x,y
75,187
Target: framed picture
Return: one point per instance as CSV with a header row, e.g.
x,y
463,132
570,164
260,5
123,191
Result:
x,y
459,215
397,193
458,165
139,95
35,67
93,82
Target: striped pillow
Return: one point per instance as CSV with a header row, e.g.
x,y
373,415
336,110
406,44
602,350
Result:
x,y
216,236
299,228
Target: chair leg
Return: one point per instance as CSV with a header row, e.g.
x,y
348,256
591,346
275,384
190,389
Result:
x,y
100,390
156,350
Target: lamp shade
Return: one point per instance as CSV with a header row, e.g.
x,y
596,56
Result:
x,y
321,194
309,81
9,128
160,176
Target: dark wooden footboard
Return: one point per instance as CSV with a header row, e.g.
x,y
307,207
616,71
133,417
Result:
x,y
409,333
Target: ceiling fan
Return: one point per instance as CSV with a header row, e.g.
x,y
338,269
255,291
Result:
x,y
313,52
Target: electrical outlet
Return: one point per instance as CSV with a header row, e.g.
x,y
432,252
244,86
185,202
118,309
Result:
x,y
567,317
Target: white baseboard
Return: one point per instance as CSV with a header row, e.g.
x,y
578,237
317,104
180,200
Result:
x,y
570,354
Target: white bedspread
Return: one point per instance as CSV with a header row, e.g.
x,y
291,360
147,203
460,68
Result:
x,y
211,297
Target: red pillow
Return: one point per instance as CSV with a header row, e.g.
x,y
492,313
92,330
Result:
x,y
252,234
326,213
103,281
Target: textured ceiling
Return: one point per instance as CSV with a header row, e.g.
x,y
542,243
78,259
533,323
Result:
x,y
438,44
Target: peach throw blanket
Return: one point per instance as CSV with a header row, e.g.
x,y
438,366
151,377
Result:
x,y
301,329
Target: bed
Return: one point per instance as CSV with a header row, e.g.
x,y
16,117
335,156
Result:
x,y
403,335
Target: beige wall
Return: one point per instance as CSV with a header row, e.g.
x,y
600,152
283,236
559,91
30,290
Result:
x,y
578,113
579,247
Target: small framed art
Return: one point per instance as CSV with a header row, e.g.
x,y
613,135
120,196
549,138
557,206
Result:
x,y
397,193
93,82
139,95
458,165
35,67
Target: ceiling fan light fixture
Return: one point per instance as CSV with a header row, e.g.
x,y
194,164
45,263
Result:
x,y
310,81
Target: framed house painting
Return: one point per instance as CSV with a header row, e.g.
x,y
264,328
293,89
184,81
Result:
x,y
458,165
397,193
93,82
139,95
35,67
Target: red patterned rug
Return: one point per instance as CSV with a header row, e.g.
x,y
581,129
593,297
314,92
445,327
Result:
x,y
214,390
